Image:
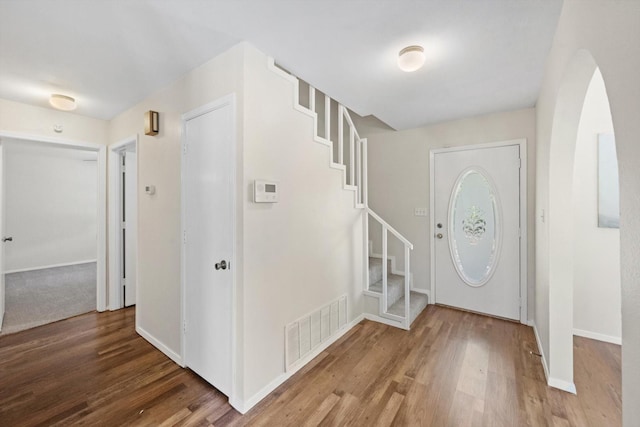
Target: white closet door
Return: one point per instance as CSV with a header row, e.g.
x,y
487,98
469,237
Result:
x,y
208,248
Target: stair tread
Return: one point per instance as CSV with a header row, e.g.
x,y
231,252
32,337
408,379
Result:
x,y
395,288
417,303
374,261
392,280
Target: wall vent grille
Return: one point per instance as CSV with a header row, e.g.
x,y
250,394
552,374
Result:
x,y
307,333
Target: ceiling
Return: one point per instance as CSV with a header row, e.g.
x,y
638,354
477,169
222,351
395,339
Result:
x,y
483,56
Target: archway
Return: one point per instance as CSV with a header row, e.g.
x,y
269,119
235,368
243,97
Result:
x,y
568,110
596,218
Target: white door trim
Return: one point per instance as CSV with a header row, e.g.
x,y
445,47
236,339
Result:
x,y
115,290
230,99
101,215
522,143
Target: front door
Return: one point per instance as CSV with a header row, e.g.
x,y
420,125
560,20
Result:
x,y
207,189
477,229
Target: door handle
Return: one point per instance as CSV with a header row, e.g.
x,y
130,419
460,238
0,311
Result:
x,y
7,239
222,265
439,235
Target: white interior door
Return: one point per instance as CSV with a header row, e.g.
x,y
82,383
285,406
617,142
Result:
x,y
477,230
130,243
2,243
208,248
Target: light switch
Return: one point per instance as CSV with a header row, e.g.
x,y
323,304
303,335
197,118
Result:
x,y
420,211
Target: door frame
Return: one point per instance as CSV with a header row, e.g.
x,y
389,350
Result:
x,y
230,100
115,260
101,214
524,285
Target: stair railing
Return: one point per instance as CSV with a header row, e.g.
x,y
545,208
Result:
x,y
355,166
408,247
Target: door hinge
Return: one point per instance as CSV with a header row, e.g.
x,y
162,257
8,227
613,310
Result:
x,y
184,326
184,149
123,225
184,236
123,282
519,162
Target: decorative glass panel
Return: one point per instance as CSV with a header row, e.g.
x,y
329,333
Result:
x,y
474,227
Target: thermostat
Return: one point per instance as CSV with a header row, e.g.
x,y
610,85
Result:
x,y
265,191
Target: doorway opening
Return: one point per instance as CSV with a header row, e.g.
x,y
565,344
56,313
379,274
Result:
x,y
597,314
596,219
123,223
574,237
52,255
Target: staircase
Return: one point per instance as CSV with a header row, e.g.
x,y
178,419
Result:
x,y
395,303
395,291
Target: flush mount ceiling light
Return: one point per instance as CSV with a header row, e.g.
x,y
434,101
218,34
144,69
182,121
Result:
x,y
411,58
62,102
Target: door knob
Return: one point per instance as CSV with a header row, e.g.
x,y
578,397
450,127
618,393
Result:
x,y
439,235
7,239
222,265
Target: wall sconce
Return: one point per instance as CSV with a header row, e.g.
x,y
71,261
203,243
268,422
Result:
x,y
151,123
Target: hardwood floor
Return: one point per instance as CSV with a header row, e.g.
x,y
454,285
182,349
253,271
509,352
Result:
x,y
452,369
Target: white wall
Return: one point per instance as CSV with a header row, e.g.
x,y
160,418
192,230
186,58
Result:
x,y
50,205
307,249
596,284
32,122
609,30
399,177
159,307
38,121
291,257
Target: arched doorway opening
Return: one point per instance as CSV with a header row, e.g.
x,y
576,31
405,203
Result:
x,y
562,242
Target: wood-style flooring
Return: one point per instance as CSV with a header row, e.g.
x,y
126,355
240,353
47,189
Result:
x,y
452,369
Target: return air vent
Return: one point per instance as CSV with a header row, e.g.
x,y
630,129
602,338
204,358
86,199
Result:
x,y
307,333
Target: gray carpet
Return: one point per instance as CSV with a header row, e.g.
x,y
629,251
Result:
x,y
37,297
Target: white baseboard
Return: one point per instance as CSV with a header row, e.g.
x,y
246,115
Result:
x,y
244,406
551,381
597,336
562,385
159,345
43,267
540,350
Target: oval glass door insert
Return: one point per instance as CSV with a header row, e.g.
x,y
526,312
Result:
x,y
474,227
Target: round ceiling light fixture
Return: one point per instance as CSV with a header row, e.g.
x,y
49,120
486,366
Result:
x,y
62,102
411,58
